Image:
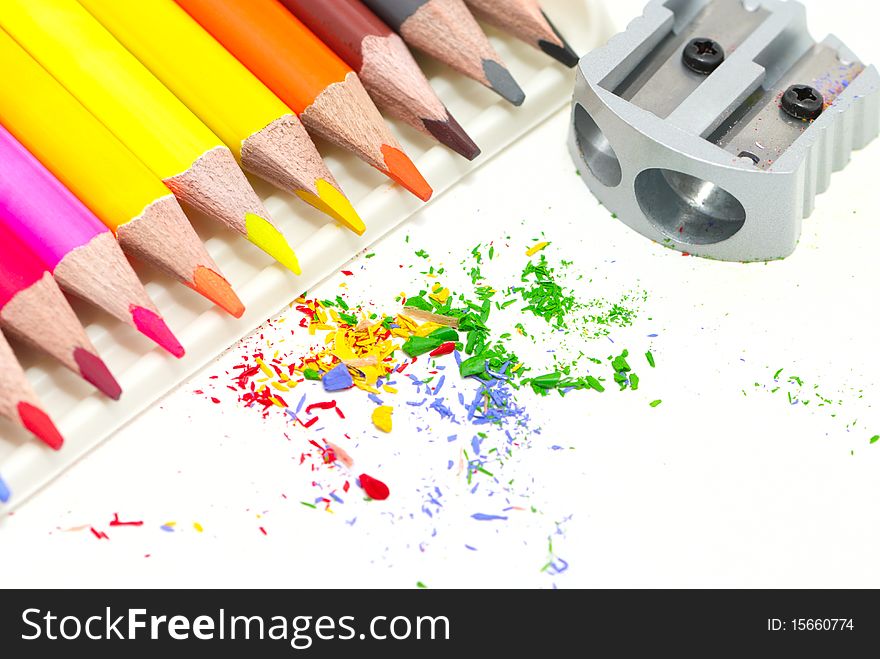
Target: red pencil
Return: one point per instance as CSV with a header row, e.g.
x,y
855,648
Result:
x,y
19,403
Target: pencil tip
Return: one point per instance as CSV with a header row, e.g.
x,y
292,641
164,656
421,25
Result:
x,y
565,53
502,82
95,371
5,494
450,133
151,325
39,423
214,286
404,171
264,235
331,201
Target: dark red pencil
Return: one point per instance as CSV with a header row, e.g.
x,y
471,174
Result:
x,y
385,65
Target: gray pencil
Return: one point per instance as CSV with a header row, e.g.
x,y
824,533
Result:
x,y
446,30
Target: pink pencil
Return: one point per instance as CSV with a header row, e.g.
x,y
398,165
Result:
x,y
72,243
34,309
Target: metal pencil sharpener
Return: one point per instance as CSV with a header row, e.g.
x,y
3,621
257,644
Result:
x,y
710,126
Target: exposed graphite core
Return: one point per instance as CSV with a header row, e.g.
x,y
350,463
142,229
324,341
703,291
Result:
x,y
95,371
502,82
213,286
39,423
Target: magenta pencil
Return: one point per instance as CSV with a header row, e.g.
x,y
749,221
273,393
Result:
x,y
34,309
72,243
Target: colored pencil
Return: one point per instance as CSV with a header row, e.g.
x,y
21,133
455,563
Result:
x,y
5,493
324,91
34,309
108,178
525,20
447,31
72,243
264,134
385,66
144,115
19,403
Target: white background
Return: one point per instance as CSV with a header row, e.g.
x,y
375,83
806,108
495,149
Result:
x,y
724,484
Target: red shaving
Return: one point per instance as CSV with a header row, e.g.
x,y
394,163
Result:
x,y
374,488
100,535
310,422
446,349
118,522
347,273
329,405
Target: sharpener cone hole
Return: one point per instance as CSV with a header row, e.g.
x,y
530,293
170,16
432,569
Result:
x,y
595,149
687,208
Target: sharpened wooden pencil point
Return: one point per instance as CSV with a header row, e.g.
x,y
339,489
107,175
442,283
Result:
x,y
40,315
347,103
86,157
283,154
385,66
525,20
100,273
447,31
302,70
216,186
64,234
135,106
19,403
163,236
255,124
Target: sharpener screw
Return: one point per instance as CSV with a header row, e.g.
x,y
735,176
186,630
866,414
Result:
x,y
803,102
703,55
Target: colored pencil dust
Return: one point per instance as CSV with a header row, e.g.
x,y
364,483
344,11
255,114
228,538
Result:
x,y
114,184
324,91
447,31
19,403
5,493
144,115
525,20
263,133
385,66
72,243
34,309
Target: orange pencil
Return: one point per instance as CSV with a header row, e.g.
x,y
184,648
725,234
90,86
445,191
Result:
x,y
324,91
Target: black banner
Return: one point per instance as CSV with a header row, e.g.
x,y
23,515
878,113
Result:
x,y
469,623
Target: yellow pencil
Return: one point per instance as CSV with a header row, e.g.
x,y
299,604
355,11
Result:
x,y
263,133
117,187
143,114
